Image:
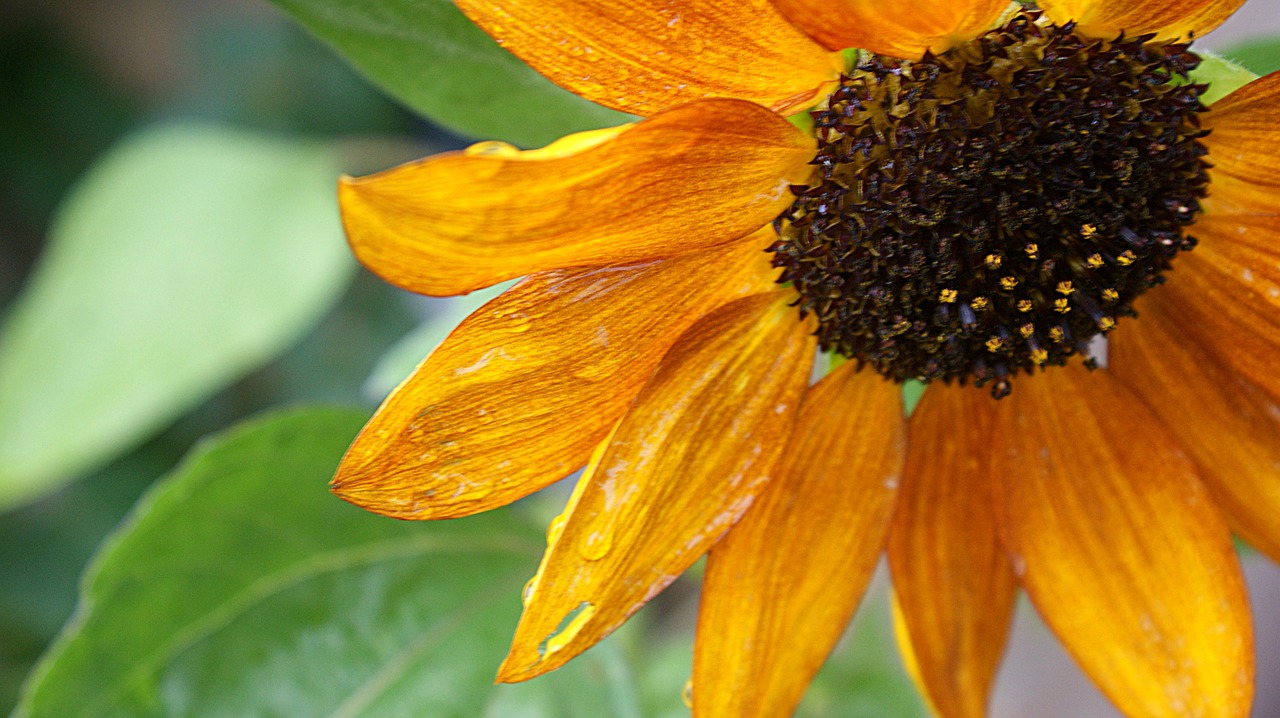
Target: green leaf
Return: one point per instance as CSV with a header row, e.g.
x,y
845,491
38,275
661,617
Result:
x,y
427,54
863,678
1224,76
1260,56
241,587
188,256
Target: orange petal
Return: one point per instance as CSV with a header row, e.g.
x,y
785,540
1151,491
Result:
x,y
691,178
951,577
643,56
1168,19
525,388
1244,146
1225,423
782,585
890,28
1120,547
1226,293
698,444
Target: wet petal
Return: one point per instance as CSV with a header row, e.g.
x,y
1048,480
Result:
x,y
1244,147
1228,426
643,56
1168,19
697,446
525,388
951,577
1226,293
898,29
695,177
1120,547
771,610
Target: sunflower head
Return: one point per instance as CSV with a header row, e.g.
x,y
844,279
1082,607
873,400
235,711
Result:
x,y
990,210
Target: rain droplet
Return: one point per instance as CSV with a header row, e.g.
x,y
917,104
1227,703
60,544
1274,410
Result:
x,y
686,695
554,529
597,545
529,587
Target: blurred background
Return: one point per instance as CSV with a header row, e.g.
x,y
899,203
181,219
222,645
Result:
x,y
78,76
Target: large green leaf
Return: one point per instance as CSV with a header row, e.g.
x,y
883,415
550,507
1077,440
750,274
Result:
x,y
240,587
188,256
431,57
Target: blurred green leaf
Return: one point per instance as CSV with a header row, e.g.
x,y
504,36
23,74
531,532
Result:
x,y
240,587
1224,76
1260,56
188,256
862,679
431,57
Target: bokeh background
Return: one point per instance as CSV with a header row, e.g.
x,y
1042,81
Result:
x,y
77,76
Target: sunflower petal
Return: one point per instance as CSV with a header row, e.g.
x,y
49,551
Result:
x,y
1225,423
1244,146
703,174
768,599
525,388
891,29
697,446
952,580
643,56
1169,20
1226,293
1121,549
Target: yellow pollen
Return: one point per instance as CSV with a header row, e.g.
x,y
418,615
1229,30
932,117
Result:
x,y
1008,283
1027,329
1095,261
1039,356
979,304
1061,306
1032,250
1106,324
993,261
1110,294
1025,305
947,296
1088,231
1066,288
1057,335
994,344
1126,258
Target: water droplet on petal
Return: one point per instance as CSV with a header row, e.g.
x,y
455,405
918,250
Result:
x,y
554,529
597,545
686,695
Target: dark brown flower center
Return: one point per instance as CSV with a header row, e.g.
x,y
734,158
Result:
x,y
991,210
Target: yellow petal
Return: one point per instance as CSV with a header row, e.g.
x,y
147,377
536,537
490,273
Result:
x,y
952,580
1226,293
1226,424
1121,549
700,175
781,586
898,29
523,390
1168,19
697,446
643,56
1244,147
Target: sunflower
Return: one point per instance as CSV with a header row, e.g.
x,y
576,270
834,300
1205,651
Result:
x,y
1029,209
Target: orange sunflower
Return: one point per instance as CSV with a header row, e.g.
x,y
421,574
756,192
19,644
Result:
x,y
984,194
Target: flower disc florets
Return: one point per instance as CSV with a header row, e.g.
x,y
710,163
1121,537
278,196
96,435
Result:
x,y
992,209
